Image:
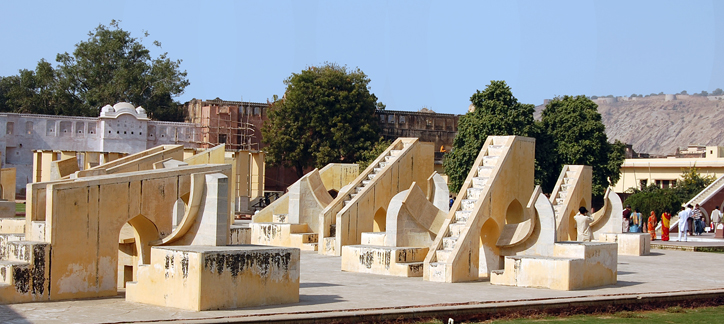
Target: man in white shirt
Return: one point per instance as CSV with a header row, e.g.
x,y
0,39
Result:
x,y
683,222
583,224
715,218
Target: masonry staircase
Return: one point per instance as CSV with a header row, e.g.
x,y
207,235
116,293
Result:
x,y
406,160
455,254
24,270
572,189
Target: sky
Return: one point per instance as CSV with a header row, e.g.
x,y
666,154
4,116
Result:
x,y
432,54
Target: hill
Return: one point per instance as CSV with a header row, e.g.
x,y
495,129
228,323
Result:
x,y
656,126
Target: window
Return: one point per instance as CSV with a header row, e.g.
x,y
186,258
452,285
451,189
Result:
x,y
643,183
28,127
222,138
391,119
79,127
257,112
91,128
10,128
382,119
402,119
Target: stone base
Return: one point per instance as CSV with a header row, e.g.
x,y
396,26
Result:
x,y
284,234
12,225
629,243
7,209
576,265
217,277
384,260
239,235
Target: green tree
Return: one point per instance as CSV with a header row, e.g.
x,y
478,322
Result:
x,y
654,198
717,92
691,183
497,112
578,136
326,115
110,66
369,156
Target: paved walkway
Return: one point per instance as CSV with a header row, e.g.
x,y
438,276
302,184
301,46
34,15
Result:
x,y
325,291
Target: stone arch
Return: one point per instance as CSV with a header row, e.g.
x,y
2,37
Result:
x,y
514,214
489,252
144,232
380,221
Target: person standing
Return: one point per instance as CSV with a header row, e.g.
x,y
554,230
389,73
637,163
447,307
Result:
x,y
635,222
626,218
684,215
665,222
583,225
652,225
715,218
697,216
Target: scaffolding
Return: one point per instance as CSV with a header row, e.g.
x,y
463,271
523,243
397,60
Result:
x,y
220,129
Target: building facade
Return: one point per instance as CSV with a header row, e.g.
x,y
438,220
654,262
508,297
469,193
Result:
x,y
121,128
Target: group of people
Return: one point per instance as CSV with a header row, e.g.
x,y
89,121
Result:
x,y
692,220
633,222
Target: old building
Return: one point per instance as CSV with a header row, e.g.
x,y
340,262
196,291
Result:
x,y
238,124
121,128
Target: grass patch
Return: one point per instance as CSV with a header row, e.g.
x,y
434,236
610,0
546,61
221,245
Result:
x,y
674,315
19,208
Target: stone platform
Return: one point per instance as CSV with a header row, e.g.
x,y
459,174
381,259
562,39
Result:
x,y
326,293
629,243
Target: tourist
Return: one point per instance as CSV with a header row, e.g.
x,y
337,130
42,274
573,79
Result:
x,y
684,215
715,218
452,201
635,222
583,224
698,223
652,225
626,218
665,223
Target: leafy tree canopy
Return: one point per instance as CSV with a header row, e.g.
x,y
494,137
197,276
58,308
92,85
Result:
x,y
654,198
497,112
326,115
109,67
578,136
691,183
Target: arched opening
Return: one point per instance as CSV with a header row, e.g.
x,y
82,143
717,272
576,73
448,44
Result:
x,y
514,214
489,258
333,193
134,248
380,224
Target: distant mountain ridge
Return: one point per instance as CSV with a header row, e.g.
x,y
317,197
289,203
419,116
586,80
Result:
x,y
659,124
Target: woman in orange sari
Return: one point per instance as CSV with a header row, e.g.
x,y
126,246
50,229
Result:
x,y
665,218
652,225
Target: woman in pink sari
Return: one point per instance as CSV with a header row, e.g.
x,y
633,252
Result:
x,y
652,225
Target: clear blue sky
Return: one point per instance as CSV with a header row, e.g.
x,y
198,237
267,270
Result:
x,y
418,54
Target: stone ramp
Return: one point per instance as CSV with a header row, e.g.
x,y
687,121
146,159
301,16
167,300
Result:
x,y
572,190
361,206
501,177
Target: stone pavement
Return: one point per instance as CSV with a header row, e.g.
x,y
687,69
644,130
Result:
x,y
326,291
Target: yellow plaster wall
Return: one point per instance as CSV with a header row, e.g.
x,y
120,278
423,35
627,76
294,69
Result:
x,y
7,180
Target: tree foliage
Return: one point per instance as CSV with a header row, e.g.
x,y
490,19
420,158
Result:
x,y
654,198
691,183
326,115
369,156
578,136
109,67
497,112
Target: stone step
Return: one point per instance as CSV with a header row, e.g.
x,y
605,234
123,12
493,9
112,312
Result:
x,y
371,176
309,247
303,238
559,201
571,174
27,251
373,238
456,229
37,231
351,196
279,218
448,243
485,171
461,216
442,255
346,202
359,189
562,194
382,164
437,271
4,241
565,187
474,193
366,182
567,180
376,170
390,158
395,152
495,149
480,182
490,160
328,245
468,204
13,269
